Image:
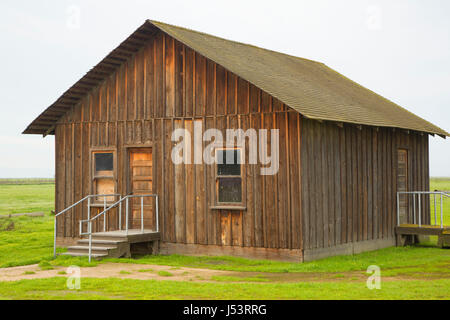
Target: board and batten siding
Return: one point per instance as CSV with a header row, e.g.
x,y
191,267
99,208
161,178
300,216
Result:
x,y
164,86
349,182
335,185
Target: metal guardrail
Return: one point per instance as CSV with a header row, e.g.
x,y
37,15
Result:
x,y
88,198
119,203
417,199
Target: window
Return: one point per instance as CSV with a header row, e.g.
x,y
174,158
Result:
x,y
103,178
228,177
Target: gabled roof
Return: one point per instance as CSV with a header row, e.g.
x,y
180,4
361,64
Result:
x,y
311,88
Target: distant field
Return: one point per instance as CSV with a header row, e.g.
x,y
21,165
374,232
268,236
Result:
x,y
27,181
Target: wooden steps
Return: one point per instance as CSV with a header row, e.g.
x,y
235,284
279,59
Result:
x,y
116,244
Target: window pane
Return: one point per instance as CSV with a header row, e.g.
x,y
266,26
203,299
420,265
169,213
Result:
x,y
229,162
104,162
230,190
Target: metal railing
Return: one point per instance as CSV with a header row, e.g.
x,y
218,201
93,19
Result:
x,y
88,198
89,221
417,198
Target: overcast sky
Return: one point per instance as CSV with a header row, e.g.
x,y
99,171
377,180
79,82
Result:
x,y
399,49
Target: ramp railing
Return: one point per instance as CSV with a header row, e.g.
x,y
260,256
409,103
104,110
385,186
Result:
x,y
416,198
119,204
89,203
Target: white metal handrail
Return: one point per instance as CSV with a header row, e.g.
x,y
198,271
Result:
x,y
418,194
88,198
119,203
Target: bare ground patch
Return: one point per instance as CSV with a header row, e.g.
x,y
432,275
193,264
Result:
x,y
158,272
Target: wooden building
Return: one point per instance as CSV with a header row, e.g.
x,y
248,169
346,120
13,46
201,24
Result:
x,y
344,151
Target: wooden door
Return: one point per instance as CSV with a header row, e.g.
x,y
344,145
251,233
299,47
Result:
x,y
402,183
140,183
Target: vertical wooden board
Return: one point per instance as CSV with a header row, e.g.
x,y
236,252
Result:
x,y
169,187
258,201
179,79
210,88
270,194
200,85
318,173
86,178
121,93
248,218
355,176
254,94
221,89
103,103
350,182
147,131
365,225
332,193
299,205
131,89
68,178
159,68
191,191
282,183
337,185
149,80
225,228
343,172
158,174
211,216
140,83
78,169
277,105
390,183
380,184
313,165
189,81
59,176
201,205
305,169
231,93
375,183
179,193
169,60
385,182
266,102
236,228
370,183
359,173
324,182
242,96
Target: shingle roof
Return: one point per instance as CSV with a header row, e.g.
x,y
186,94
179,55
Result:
x,y
311,88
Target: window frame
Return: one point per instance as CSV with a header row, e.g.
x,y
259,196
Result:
x,y
229,205
95,177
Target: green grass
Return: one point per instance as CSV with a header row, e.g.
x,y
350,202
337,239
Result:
x,y
26,198
55,288
164,273
124,272
388,258
423,272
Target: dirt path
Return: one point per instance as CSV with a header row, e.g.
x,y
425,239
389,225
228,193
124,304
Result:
x,y
157,272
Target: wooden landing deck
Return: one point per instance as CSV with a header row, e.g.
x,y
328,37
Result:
x,y
415,229
132,236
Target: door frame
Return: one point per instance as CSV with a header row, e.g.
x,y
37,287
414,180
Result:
x,y
126,153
